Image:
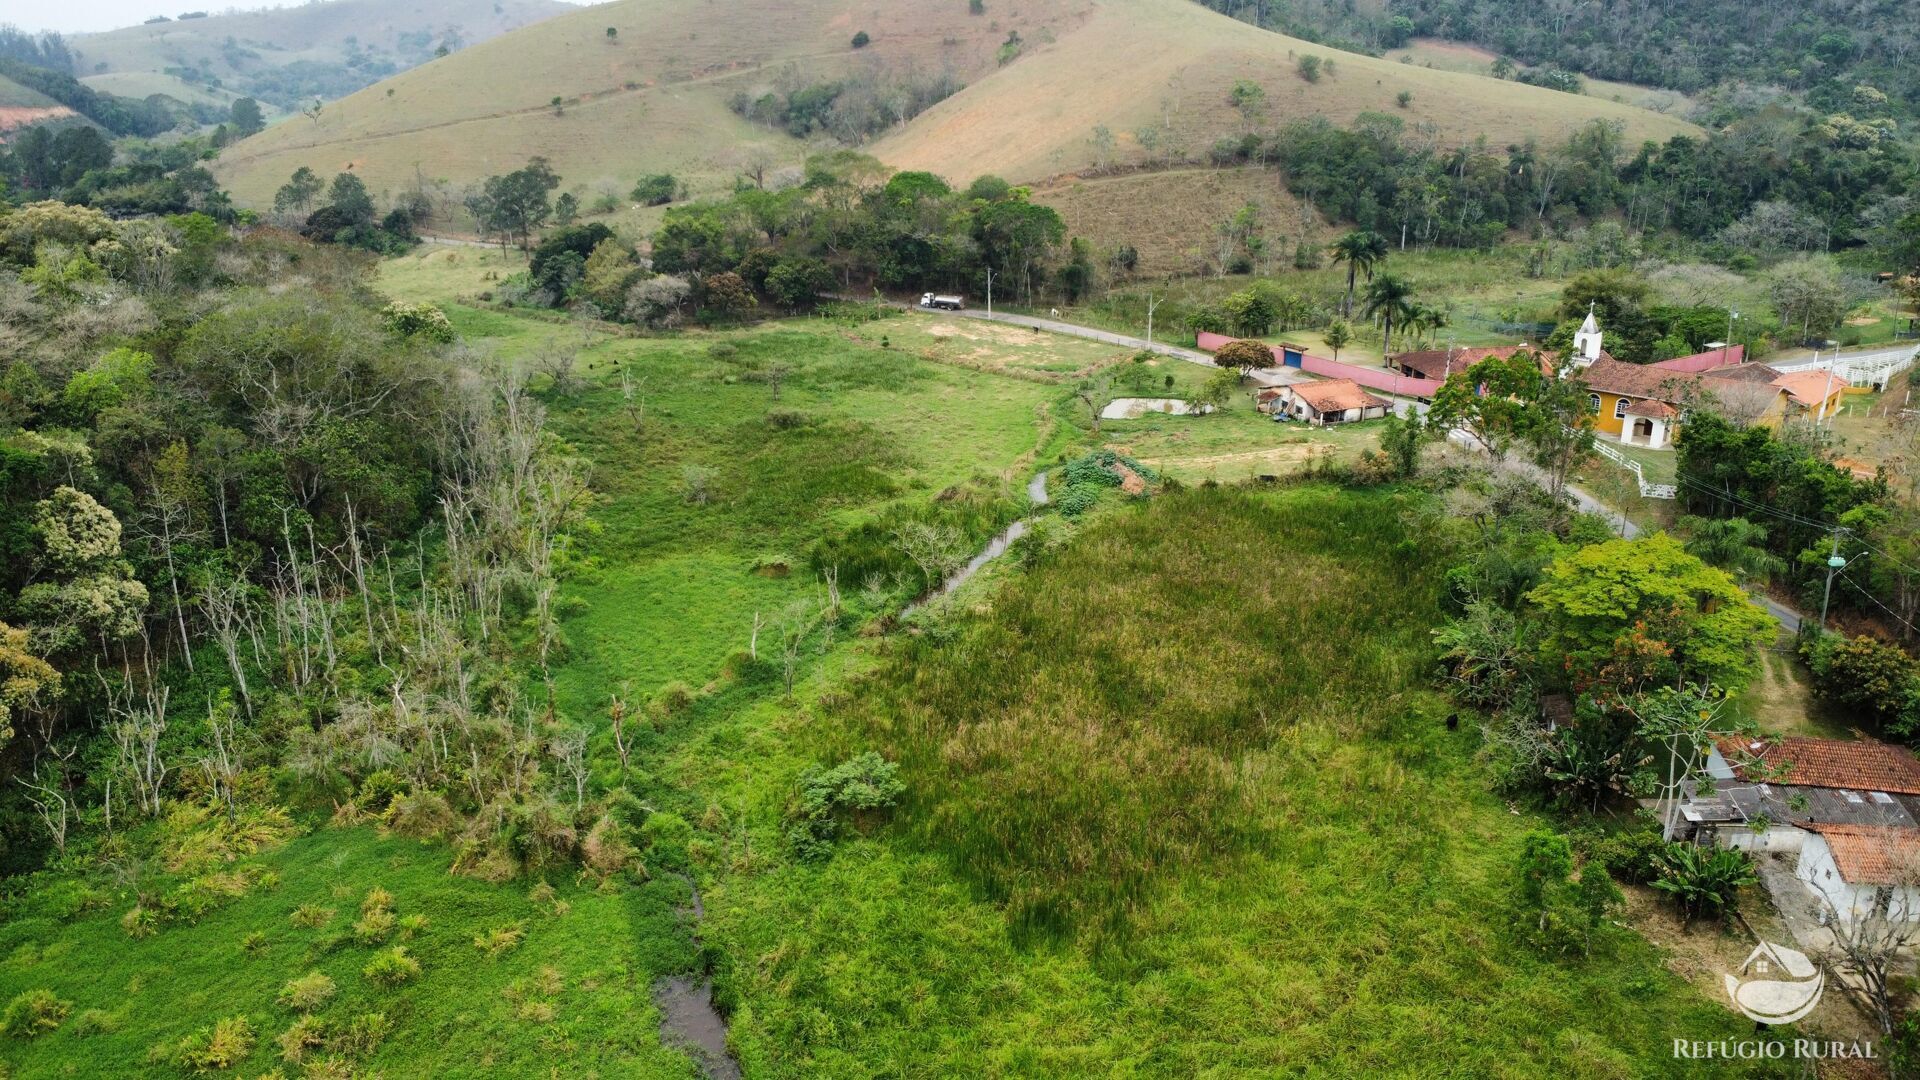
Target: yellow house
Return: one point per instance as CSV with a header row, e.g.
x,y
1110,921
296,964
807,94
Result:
x,y
1645,404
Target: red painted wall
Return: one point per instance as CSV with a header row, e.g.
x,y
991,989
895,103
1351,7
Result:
x,y
1376,378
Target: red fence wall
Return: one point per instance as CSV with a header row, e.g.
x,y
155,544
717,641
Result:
x,y
1375,377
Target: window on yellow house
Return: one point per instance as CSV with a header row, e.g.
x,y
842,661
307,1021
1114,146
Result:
x,y
1620,408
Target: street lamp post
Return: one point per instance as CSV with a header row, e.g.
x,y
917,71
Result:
x,y
1835,564
1726,347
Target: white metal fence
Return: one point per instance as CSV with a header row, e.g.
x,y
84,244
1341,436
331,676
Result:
x,y
1864,370
1648,490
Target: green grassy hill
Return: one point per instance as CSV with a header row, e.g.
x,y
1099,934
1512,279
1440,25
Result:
x,y
1182,802
655,97
15,96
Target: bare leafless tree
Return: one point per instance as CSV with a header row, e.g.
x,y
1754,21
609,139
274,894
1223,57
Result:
x,y
795,624
557,362
936,549
831,576
631,402
49,796
226,601
137,729
617,712
221,763
1874,934
569,750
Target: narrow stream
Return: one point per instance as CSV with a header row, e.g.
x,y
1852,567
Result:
x,y
688,1020
996,547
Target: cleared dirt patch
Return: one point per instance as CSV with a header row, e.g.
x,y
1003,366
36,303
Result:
x,y
1171,217
1003,349
14,117
1704,954
1271,461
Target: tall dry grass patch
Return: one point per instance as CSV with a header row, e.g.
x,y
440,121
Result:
x,y
1182,681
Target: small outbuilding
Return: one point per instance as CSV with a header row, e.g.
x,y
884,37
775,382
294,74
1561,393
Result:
x,y
1332,401
1857,867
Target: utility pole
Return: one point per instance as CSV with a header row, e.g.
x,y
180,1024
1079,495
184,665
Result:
x,y
1726,346
1835,564
1827,395
1151,304
989,292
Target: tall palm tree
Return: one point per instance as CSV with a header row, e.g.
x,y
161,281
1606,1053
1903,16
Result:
x,y
1361,250
1390,299
1424,319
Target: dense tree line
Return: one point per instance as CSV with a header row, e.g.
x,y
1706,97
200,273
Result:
x,y
270,548
852,109
77,164
122,116
48,50
1824,48
905,230
343,212
847,225
1767,185
1728,470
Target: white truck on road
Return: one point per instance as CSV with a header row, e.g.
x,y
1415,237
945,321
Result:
x,y
941,303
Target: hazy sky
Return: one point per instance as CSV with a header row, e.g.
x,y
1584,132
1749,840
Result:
x,y
79,16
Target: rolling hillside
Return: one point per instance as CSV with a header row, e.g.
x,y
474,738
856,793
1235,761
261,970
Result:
x,y
23,105
1170,64
654,97
140,84
287,53
1461,56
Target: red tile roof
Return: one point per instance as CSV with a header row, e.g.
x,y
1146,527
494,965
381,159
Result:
x,y
1873,854
1759,373
1610,376
1437,364
1857,764
1659,410
1712,358
1743,392
1336,395
1810,388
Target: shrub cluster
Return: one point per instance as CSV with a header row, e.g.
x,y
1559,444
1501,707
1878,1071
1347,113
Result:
x,y
859,787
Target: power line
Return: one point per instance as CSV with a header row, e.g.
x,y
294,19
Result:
x,y
1760,508
1863,591
1783,515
